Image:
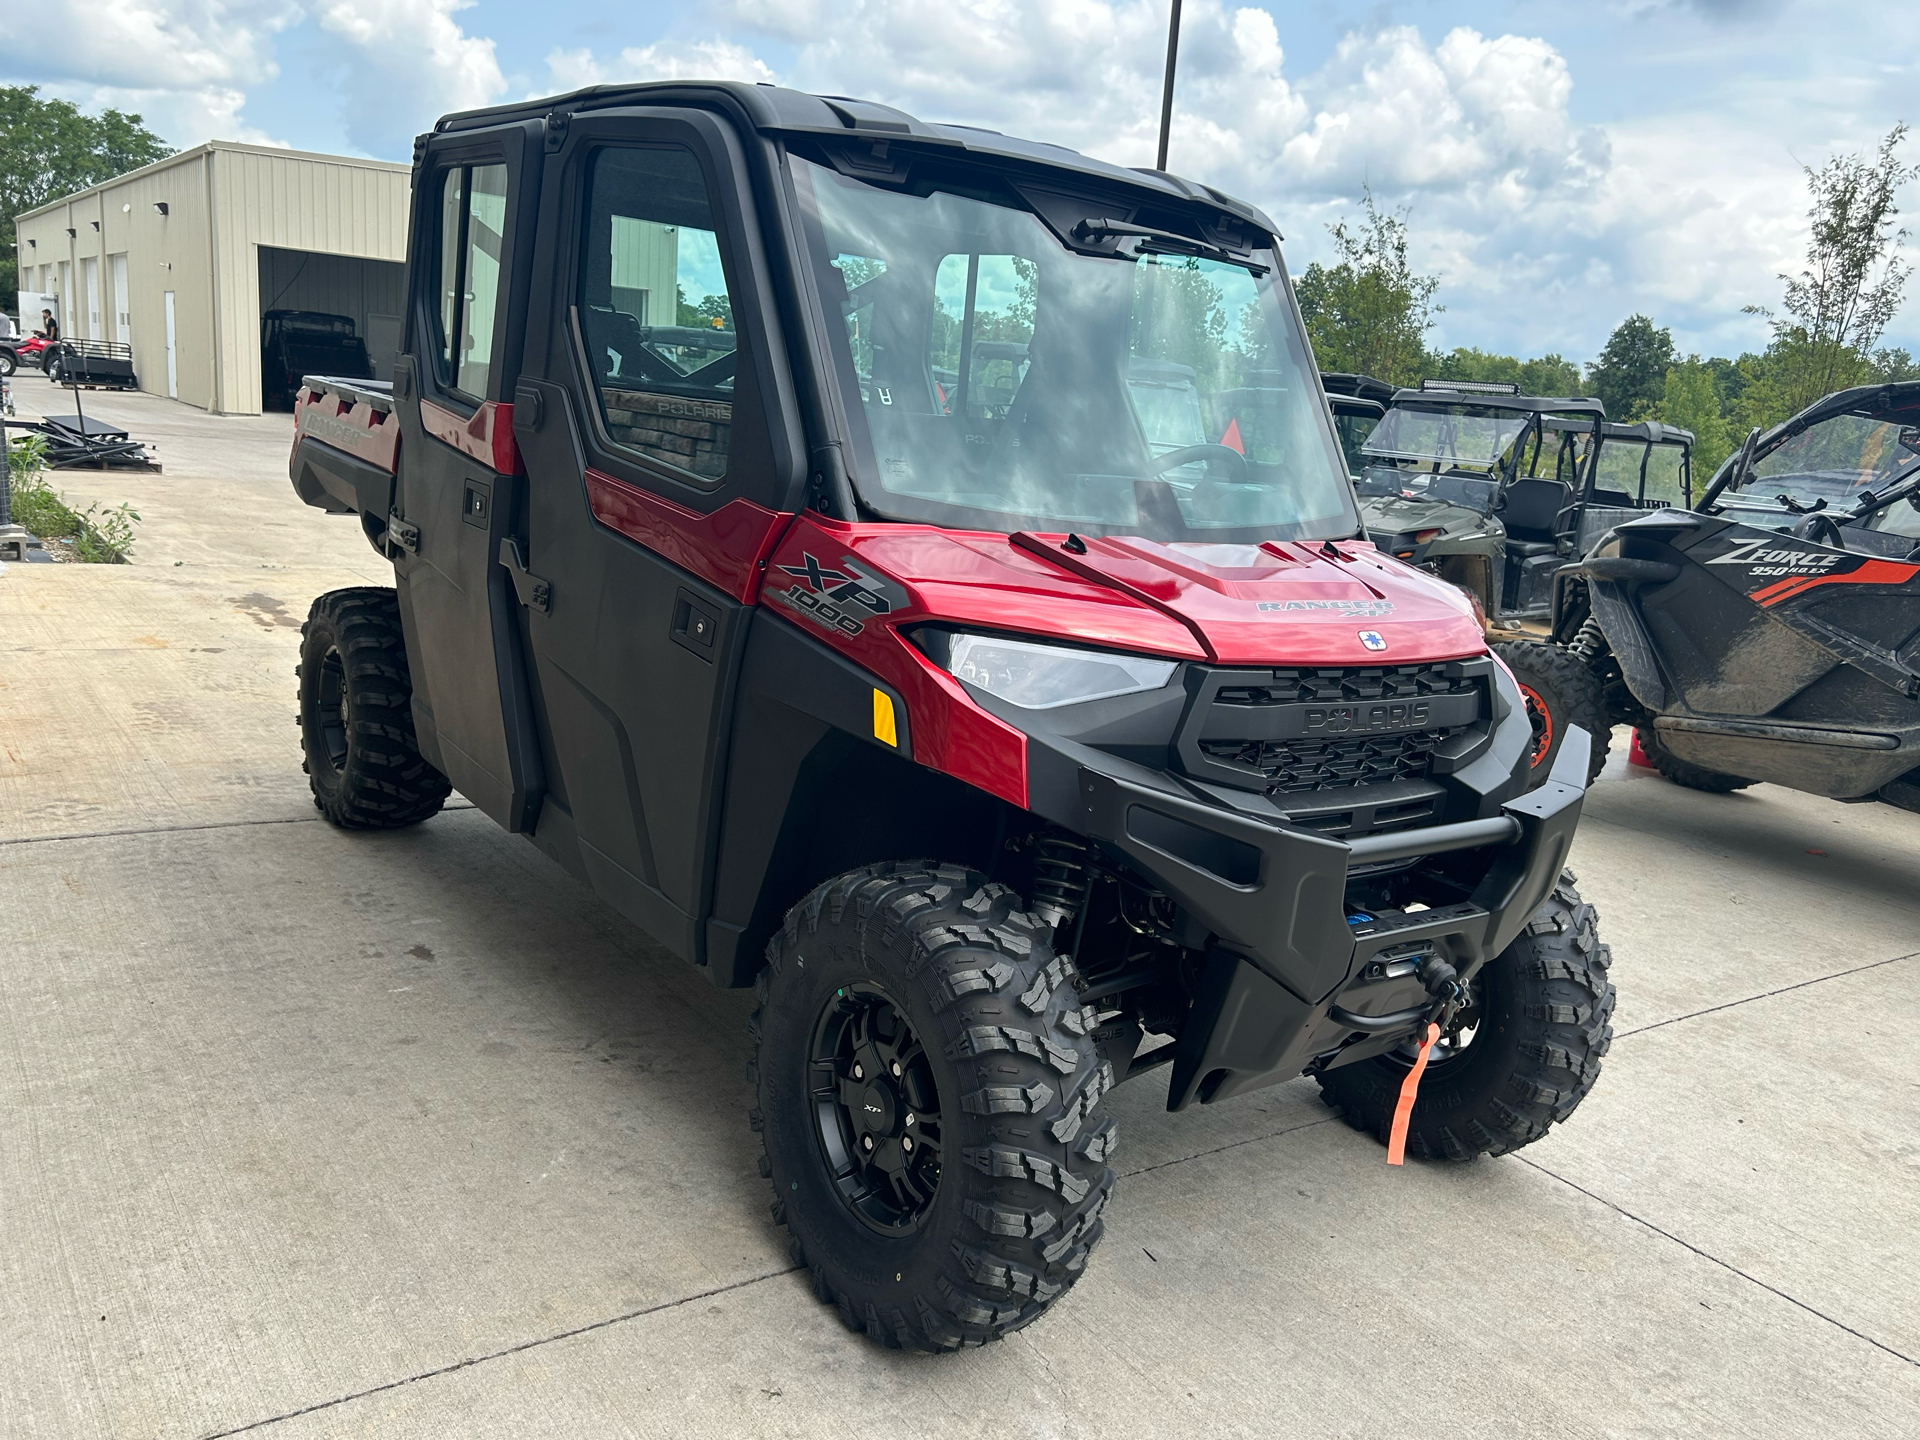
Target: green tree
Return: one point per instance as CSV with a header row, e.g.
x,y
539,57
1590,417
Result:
x,y
1837,307
1631,374
1690,399
48,148
1368,313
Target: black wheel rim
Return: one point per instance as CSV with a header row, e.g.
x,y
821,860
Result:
x,y
876,1109
331,707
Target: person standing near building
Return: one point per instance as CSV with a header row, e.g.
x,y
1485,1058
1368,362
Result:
x,y
49,327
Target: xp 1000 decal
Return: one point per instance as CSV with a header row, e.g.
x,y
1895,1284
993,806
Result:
x,y
841,596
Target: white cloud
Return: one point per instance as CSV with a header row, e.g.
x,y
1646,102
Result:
x,y
183,65
188,66
702,60
409,62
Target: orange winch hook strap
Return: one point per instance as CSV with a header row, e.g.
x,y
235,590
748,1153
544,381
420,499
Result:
x,y
1403,1109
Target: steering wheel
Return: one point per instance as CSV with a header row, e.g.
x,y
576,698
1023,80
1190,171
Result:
x,y
1822,529
1187,454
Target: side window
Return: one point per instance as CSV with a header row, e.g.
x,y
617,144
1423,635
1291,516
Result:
x,y
1620,467
1664,476
655,315
473,216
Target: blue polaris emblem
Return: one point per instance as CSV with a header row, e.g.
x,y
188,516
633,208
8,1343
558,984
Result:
x,y
1371,639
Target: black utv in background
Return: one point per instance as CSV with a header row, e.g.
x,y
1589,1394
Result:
x,y
1773,631
295,343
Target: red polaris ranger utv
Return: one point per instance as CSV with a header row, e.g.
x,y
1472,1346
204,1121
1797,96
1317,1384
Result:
x,y
912,571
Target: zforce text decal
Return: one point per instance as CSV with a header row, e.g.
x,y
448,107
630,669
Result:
x,y
1765,556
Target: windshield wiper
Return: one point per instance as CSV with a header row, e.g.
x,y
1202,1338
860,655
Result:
x,y
1163,242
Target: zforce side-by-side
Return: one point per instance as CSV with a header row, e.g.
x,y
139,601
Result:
x,y
911,571
1773,633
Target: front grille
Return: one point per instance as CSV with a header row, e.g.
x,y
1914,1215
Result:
x,y
1247,727
1293,766
1372,682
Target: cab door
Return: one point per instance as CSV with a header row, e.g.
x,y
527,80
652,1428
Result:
x,y
663,460
459,481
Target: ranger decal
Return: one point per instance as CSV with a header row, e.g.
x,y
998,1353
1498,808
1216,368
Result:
x,y
1356,609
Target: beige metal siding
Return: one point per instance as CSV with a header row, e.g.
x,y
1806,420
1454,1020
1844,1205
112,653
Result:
x,y
164,252
224,202
334,207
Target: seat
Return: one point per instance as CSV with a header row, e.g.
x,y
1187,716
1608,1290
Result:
x,y
1531,512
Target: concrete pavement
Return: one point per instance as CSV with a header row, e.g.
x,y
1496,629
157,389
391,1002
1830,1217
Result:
x,y
316,1134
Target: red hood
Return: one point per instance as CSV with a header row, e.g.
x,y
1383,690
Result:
x,y
1272,604
1283,603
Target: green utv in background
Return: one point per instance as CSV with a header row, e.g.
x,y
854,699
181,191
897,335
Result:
x,y
1498,492
1358,402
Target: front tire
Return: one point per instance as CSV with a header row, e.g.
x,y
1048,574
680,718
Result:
x,y
1560,691
1684,772
1540,1022
363,761
919,1000
8,364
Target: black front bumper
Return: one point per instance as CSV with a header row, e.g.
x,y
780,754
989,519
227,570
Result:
x,y
1273,893
1275,898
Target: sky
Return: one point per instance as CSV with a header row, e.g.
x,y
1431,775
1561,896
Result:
x,y
1562,163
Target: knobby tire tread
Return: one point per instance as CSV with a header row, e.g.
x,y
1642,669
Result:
x,y
387,783
1027,1140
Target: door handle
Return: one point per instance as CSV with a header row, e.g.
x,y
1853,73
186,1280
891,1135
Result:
x,y
534,592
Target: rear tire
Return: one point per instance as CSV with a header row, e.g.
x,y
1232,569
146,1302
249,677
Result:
x,y
363,760
980,1225
8,364
1543,1008
1682,772
1560,691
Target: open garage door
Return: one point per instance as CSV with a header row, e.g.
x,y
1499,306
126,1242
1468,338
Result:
x,y
337,314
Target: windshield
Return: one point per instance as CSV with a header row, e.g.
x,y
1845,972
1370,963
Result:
x,y
1007,383
1834,461
1458,436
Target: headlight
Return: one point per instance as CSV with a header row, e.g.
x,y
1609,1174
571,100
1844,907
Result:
x,y
1036,676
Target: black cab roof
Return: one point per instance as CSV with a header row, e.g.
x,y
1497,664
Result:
x,y
777,110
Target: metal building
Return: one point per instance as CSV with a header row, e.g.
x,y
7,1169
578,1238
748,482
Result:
x,y
182,258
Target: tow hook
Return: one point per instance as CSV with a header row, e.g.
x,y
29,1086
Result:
x,y
1443,983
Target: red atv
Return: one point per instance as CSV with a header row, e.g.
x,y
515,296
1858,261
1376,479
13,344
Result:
x,y
911,571
28,350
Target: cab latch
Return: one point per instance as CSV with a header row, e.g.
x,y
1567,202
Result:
x,y
534,592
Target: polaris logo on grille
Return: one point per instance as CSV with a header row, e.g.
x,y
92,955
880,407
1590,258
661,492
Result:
x,y
1365,719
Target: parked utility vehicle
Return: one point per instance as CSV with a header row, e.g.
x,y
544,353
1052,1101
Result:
x,y
1772,633
910,570
297,343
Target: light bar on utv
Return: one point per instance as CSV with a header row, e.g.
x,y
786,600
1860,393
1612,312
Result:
x,y
1473,387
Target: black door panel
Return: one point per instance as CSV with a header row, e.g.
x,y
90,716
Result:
x,y
472,706
636,721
